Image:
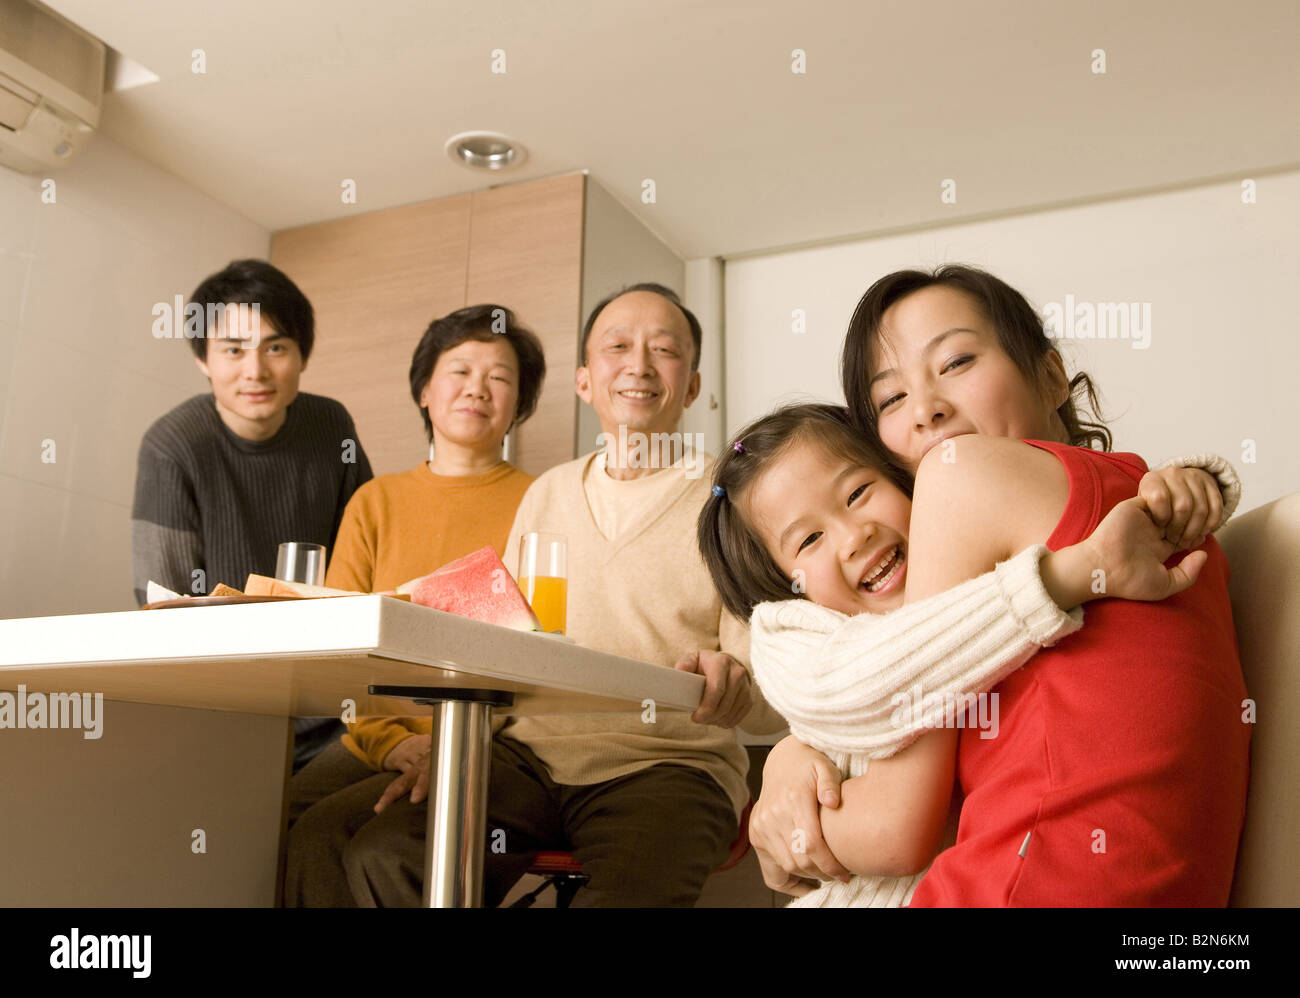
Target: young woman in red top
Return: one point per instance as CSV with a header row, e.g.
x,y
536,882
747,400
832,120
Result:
x,y
1120,770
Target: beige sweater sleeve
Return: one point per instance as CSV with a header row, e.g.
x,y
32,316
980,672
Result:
x,y
871,684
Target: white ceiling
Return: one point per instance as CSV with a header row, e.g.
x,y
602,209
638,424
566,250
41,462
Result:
x,y
746,155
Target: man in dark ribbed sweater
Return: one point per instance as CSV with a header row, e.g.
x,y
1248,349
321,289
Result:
x,y
225,477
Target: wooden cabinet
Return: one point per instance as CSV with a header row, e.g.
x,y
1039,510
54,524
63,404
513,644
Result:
x,y
525,252
377,280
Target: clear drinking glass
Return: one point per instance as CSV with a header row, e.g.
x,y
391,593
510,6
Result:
x,y
298,561
543,579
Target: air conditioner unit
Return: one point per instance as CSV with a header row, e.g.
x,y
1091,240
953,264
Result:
x,y
51,86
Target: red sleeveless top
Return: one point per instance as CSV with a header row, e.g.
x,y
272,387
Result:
x,y
1118,775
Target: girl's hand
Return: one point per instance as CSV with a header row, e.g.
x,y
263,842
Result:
x,y
1127,552
1184,502
785,824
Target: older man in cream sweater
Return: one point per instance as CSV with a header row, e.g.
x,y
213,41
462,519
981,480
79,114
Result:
x,y
648,801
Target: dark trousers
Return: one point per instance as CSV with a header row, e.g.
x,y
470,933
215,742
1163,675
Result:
x,y
648,839
330,800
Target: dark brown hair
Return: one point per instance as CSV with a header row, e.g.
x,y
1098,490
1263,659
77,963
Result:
x,y
743,572
483,323
1020,334
256,282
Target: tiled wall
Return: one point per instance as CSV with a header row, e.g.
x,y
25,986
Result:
x,y
80,367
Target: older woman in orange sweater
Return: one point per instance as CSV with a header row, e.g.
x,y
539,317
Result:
x,y
475,374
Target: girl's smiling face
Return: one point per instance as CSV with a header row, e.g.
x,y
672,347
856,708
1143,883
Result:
x,y
834,527
938,370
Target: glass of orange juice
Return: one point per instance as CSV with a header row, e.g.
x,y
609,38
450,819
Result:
x,y
543,579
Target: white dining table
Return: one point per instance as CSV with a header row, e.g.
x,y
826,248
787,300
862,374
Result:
x,y
179,798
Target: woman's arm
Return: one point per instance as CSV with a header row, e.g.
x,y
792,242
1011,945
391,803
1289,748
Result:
x,y
356,473
376,737
892,818
351,566
352,562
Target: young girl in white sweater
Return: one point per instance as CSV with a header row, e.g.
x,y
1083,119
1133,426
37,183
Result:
x,y
805,535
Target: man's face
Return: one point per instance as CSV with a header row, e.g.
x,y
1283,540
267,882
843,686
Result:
x,y
254,372
638,366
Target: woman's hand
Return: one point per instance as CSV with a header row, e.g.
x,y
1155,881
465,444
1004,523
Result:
x,y
1184,502
411,757
785,825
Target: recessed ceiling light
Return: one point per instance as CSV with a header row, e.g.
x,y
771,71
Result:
x,y
485,151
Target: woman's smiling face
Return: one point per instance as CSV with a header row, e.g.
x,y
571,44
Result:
x,y
833,526
938,371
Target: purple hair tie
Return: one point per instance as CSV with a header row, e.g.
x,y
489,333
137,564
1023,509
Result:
x,y
739,447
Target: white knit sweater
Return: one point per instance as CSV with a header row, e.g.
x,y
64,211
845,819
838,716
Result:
x,y
864,687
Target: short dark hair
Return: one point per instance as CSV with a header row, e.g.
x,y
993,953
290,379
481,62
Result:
x,y
697,334
483,323
743,572
247,282
1020,333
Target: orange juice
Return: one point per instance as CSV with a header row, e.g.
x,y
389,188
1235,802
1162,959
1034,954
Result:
x,y
546,596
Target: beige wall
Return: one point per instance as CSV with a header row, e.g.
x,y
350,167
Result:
x,y
79,365
703,296
1219,275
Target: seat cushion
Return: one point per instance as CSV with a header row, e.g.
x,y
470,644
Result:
x,y
1263,549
